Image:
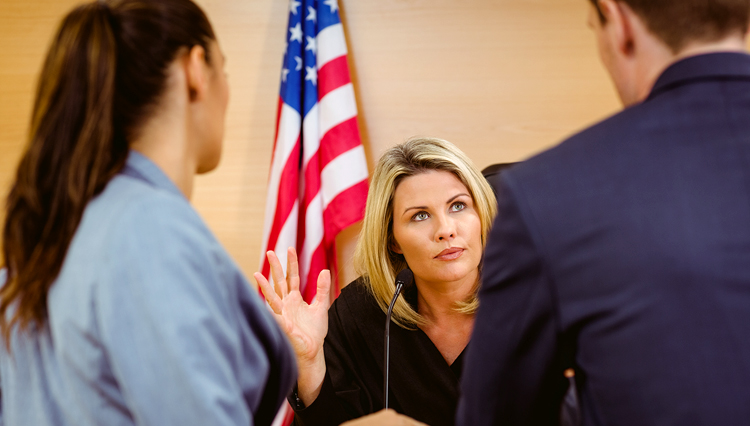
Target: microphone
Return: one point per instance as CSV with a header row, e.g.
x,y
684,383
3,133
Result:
x,y
403,280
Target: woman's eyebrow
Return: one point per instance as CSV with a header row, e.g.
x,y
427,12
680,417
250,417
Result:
x,y
450,200
414,208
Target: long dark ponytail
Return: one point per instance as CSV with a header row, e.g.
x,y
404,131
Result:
x,y
103,75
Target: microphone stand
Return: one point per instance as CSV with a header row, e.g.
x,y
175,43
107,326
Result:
x,y
403,278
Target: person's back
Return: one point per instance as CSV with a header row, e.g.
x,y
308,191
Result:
x,y
624,253
119,307
116,319
648,242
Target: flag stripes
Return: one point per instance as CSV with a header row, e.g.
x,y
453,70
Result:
x,y
317,185
318,180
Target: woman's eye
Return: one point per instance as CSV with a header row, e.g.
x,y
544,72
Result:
x,y
420,216
457,206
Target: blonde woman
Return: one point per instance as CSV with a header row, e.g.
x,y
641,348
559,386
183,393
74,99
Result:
x,y
429,209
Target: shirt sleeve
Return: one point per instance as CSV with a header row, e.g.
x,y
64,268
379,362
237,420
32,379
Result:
x,y
513,373
343,401
324,411
178,345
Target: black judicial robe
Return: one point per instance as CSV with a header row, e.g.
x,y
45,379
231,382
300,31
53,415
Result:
x,y
421,385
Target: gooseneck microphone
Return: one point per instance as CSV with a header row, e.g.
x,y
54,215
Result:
x,y
403,280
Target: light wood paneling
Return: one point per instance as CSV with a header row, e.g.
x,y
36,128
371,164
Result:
x,y
503,79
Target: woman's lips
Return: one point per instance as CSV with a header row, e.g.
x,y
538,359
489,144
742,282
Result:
x,y
450,254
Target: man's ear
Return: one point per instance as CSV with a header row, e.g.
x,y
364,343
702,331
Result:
x,y
196,72
619,18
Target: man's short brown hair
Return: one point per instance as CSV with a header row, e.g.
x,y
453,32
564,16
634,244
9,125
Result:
x,y
678,22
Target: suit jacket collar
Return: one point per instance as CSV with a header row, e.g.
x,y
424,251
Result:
x,y
709,66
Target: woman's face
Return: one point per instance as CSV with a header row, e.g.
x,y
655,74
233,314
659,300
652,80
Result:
x,y
436,228
217,99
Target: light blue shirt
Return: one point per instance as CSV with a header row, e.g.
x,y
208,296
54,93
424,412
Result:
x,y
150,323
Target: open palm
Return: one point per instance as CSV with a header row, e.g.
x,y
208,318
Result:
x,y
305,324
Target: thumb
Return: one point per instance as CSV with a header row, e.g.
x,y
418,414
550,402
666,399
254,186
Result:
x,y
324,288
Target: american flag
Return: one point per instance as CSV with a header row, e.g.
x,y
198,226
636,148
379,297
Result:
x,y
318,180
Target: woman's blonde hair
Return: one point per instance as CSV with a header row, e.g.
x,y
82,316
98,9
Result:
x,y
373,257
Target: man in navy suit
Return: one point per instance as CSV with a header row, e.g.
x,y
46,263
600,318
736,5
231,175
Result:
x,y
624,252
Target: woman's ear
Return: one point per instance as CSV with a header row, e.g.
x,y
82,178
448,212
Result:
x,y
395,247
196,73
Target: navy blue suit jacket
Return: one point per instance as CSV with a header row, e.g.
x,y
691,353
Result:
x,y
625,252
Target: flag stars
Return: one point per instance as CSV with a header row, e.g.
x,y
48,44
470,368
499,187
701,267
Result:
x,y
333,4
293,5
312,15
311,44
299,63
312,75
296,33
284,73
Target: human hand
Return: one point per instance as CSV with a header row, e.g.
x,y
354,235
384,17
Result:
x,y
306,325
384,418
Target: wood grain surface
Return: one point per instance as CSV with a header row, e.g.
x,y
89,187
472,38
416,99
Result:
x,y
503,79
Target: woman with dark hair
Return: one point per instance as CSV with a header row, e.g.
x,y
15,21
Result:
x,y
119,305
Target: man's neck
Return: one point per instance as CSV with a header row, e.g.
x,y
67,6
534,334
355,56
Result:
x,y
661,59
729,44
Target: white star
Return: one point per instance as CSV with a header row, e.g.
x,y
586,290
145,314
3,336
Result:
x,y
311,44
296,33
312,15
284,73
312,75
293,5
299,63
333,4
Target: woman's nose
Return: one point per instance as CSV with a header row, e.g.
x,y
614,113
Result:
x,y
446,229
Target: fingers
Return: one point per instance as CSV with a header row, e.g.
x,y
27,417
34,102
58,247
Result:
x,y
384,418
277,272
292,269
324,288
271,297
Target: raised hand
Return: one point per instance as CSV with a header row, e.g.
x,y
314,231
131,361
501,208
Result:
x,y
306,325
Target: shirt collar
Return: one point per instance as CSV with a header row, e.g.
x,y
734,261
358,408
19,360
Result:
x,y
140,167
709,66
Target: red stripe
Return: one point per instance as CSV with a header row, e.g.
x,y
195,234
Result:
x,y
333,265
288,414
346,209
333,75
301,228
335,142
312,178
286,197
338,140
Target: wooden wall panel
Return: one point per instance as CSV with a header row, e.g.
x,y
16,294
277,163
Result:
x,y
503,79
